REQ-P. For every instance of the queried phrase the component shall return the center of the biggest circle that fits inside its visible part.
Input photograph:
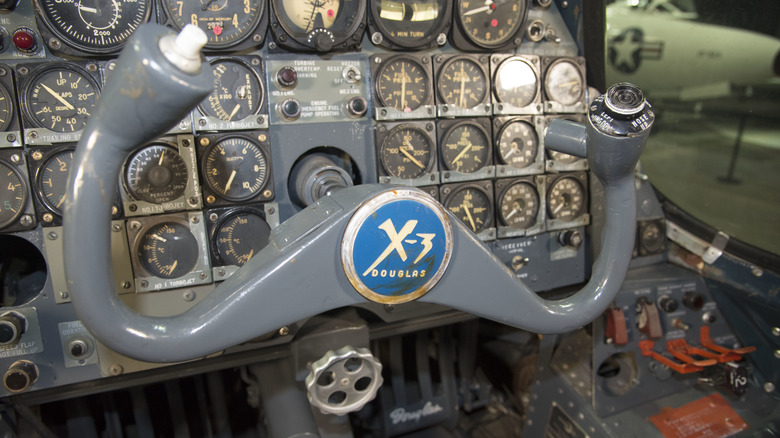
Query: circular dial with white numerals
(61, 99)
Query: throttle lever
(369, 242)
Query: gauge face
(226, 22)
(402, 83)
(518, 144)
(240, 236)
(490, 23)
(406, 152)
(168, 250)
(237, 93)
(566, 199)
(466, 148)
(95, 26)
(563, 83)
(411, 24)
(236, 169)
(156, 174)
(61, 99)
(6, 108)
(519, 205)
(471, 206)
(320, 23)
(53, 180)
(13, 196)
(516, 82)
(462, 83)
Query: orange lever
(683, 368)
(726, 354)
(681, 350)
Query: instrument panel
(309, 97)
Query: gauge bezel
(446, 109)
(218, 217)
(459, 37)
(254, 36)
(445, 128)
(5, 92)
(502, 188)
(497, 64)
(485, 187)
(59, 42)
(500, 124)
(376, 24)
(28, 76)
(287, 37)
(554, 106)
(583, 218)
(47, 158)
(424, 63)
(259, 139)
(12, 224)
(383, 133)
(254, 64)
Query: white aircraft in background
(660, 47)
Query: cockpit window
(711, 69)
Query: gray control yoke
(299, 273)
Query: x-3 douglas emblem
(397, 246)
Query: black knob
(624, 100)
(291, 109)
(287, 77)
(11, 328)
(667, 304)
(571, 238)
(20, 376)
(693, 301)
(323, 42)
(357, 106)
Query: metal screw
(115, 369)
(188, 295)
(221, 273)
(126, 284)
(26, 220)
(193, 201)
(116, 227)
(565, 4)
(52, 235)
(389, 308)
(757, 271)
(11, 138)
(144, 284)
(203, 276)
(284, 331)
(92, 67)
(16, 158)
(185, 142)
(377, 60)
(441, 39)
(267, 193)
(213, 217)
(48, 217)
(195, 219)
(255, 61)
(210, 199)
(135, 225)
(64, 295)
(257, 38)
(769, 387)
(777, 354)
(272, 45)
(33, 135)
(55, 43)
(262, 137)
(376, 38)
(23, 70)
(260, 120)
(204, 142)
(776, 331)
(132, 207)
(271, 210)
(3, 71)
(202, 122)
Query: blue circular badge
(397, 246)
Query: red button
(23, 40)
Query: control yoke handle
(300, 272)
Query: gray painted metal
(148, 95)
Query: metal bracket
(709, 252)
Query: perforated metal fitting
(344, 380)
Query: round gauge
(466, 148)
(319, 24)
(652, 238)
(516, 82)
(471, 205)
(235, 168)
(93, 26)
(561, 157)
(61, 99)
(13, 196)
(411, 24)
(6, 108)
(226, 23)
(566, 199)
(156, 174)
(168, 250)
(53, 179)
(239, 236)
(462, 83)
(402, 83)
(237, 93)
(564, 83)
(406, 152)
(519, 205)
(491, 24)
(518, 144)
